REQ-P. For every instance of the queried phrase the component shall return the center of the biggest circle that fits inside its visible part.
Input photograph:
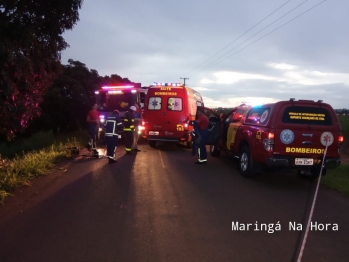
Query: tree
(30, 51)
(68, 100)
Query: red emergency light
(116, 87)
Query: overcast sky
(252, 51)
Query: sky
(232, 52)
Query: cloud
(233, 77)
(164, 41)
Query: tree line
(37, 92)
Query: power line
(265, 35)
(240, 36)
(213, 62)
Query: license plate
(153, 133)
(304, 161)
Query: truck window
(111, 100)
(174, 104)
(258, 116)
(154, 103)
(307, 115)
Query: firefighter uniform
(203, 133)
(129, 128)
(195, 137)
(113, 126)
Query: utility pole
(184, 78)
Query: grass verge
(338, 179)
(19, 170)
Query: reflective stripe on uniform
(201, 160)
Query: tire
(245, 163)
(215, 152)
(152, 143)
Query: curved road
(157, 205)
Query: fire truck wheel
(215, 152)
(152, 143)
(245, 163)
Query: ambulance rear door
(167, 113)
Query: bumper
(183, 137)
(288, 162)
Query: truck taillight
(340, 139)
(268, 142)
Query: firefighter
(129, 128)
(138, 117)
(196, 137)
(113, 126)
(203, 132)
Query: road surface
(157, 205)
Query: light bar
(115, 92)
(117, 87)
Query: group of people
(114, 125)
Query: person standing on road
(138, 119)
(129, 128)
(93, 125)
(113, 126)
(195, 137)
(203, 132)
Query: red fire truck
(120, 97)
(167, 111)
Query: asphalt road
(157, 205)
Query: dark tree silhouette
(30, 48)
(68, 100)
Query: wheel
(215, 152)
(245, 163)
(152, 143)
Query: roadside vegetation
(338, 179)
(34, 157)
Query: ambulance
(168, 108)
